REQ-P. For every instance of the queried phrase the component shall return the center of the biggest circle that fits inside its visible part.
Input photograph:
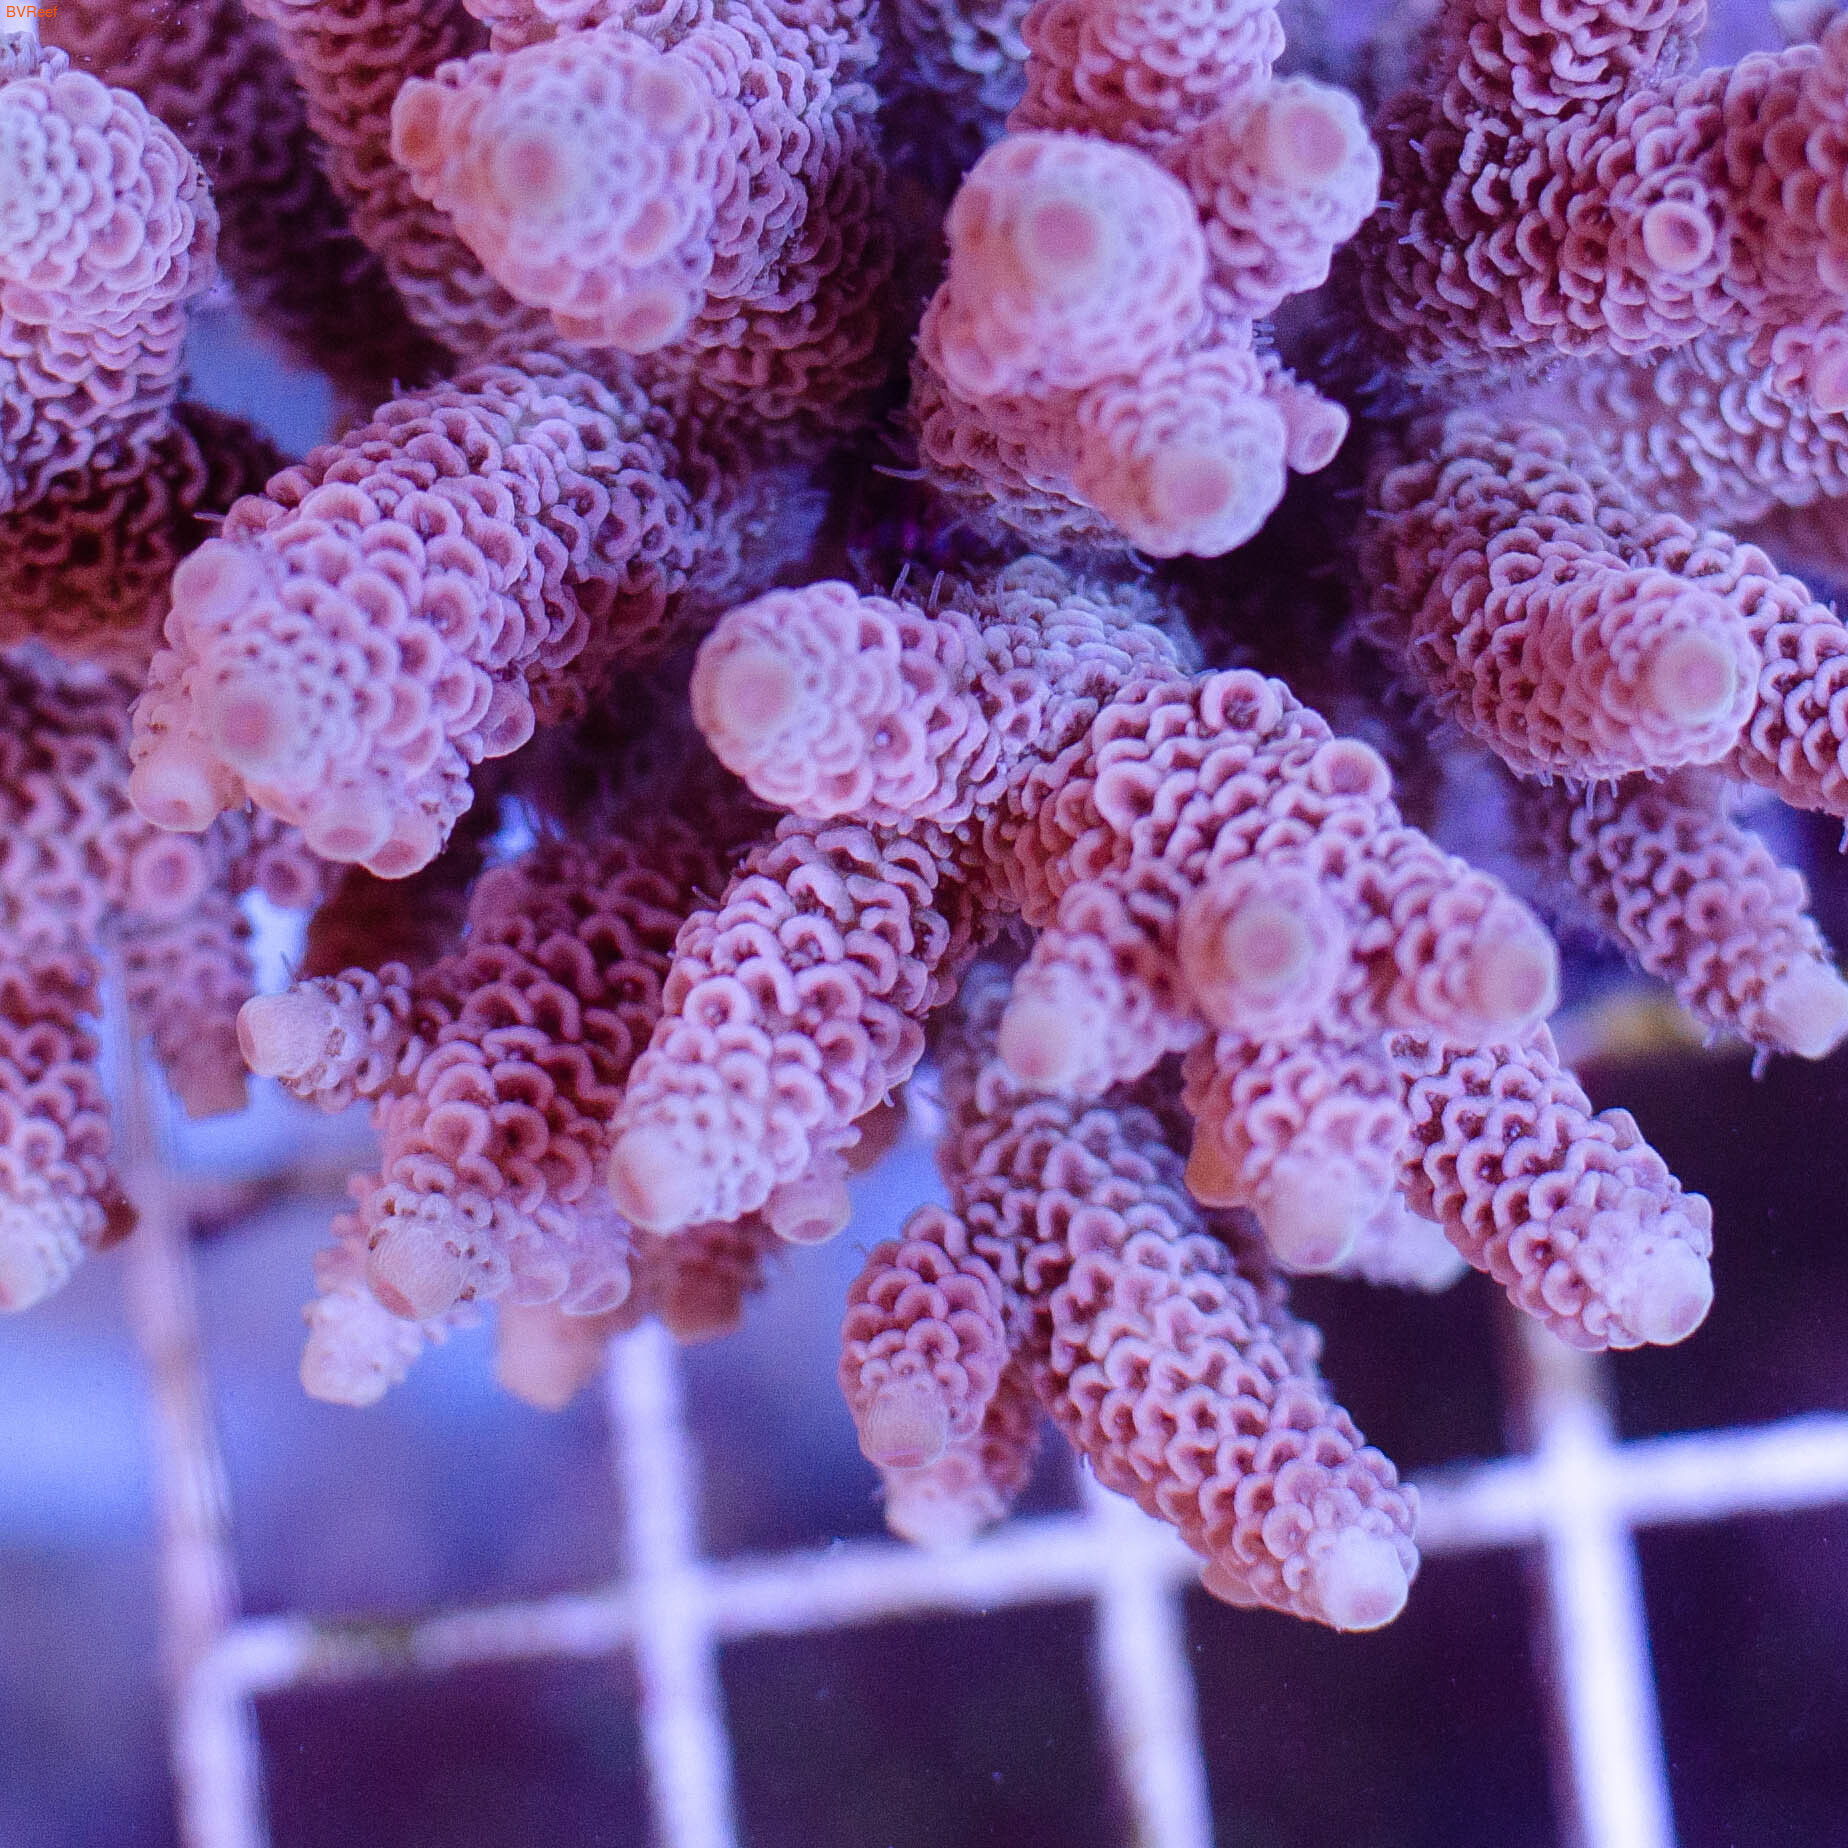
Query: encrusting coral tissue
(736, 653)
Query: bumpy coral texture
(582, 491)
(618, 302)
(82, 874)
(1723, 428)
(106, 231)
(493, 1073)
(791, 1010)
(1571, 1211)
(411, 599)
(1163, 1351)
(1089, 372)
(216, 76)
(350, 58)
(1207, 868)
(1553, 615)
(573, 169)
(948, 74)
(1540, 567)
(1561, 184)
(705, 180)
(1142, 74)
(1666, 869)
(87, 566)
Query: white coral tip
(1305, 138)
(336, 1377)
(36, 1256)
(1693, 677)
(176, 786)
(414, 1272)
(745, 694)
(907, 1425)
(1513, 975)
(809, 1211)
(255, 723)
(1042, 1043)
(1359, 1581)
(922, 1511)
(1807, 1011)
(1664, 1295)
(286, 1036)
(654, 1184)
(1313, 1211)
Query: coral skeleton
(999, 543)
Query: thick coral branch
(412, 599)
(1089, 370)
(791, 1009)
(106, 232)
(1570, 1210)
(700, 186)
(1562, 185)
(1197, 855)
(216, 76)
(1571, 628)
(350, 58)
(87, 566)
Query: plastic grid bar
(1576, 1493)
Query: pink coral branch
(1134, 816)
(1571, 1211)
(1552, 614)
(1564, 186)
(106, 232)
(217, 77)
(1089, 368)
(81, 872)
(1163, 1353)
(350, 58)
(1664, 869)
(413, 598)
(791, 1010)
(657, 182)
(86, 567)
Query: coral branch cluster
(1091, 368)
(1632, 277)
(1154, 1334)
(735, 648)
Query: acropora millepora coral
(880, 533)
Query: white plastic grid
(1576, 1493)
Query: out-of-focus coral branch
(107, 230)
(81, 873)
(216, 76)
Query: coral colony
(879, 536)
